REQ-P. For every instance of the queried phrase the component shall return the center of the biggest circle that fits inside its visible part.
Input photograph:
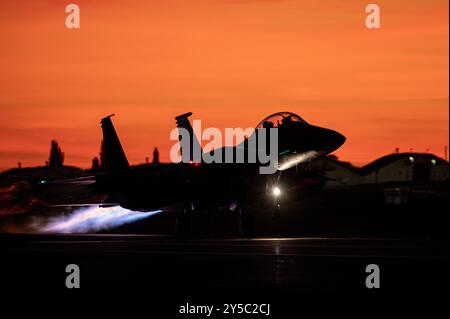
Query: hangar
(416, 168)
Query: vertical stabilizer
(113, 155)
(191, 151)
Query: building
(417, 168)
(339, 173)
(399, 178)
(397, 168)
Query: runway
(165, 267)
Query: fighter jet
(189, 185)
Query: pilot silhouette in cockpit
(267, 124)
(287, 121)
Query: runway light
(276, 191)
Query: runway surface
(166, 267)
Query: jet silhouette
(186, 186)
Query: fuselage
(151, 187)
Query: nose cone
(336, 140)
(310, 138)
(327, 140)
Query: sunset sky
(231, 63)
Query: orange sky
(229, 62)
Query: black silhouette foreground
(185, 188)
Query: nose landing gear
(276, 211)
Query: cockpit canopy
(280, 119)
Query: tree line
(57, 156)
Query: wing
(85, 180)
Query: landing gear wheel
(183, 221)
(245, 223)
(276, 209)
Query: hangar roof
(388, 159)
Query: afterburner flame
(94, 218)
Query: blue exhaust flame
(94, 218)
